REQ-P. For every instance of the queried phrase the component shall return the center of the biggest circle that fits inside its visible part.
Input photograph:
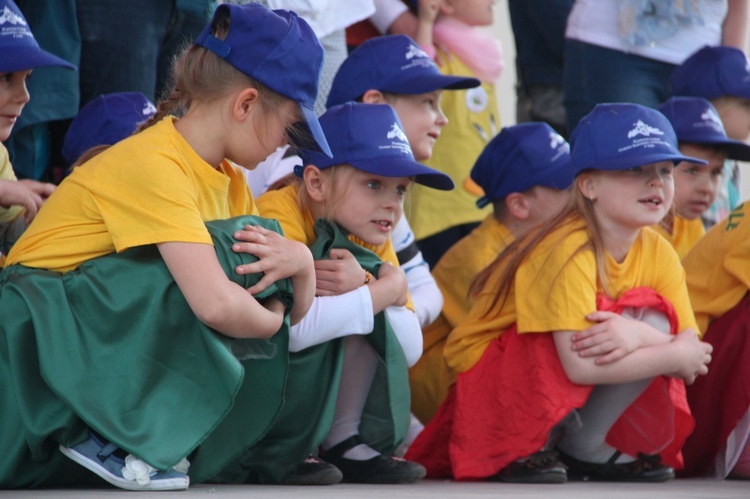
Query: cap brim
(405, 167)
(429, 82)
(311, 119)
(735, 149)
(641, 159)
(23, 58)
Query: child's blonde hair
(199, 75)
(510, 259)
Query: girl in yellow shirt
(608, 289)
(249, 76)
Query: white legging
(585, 430)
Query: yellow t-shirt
(555, 288)
(685, 233)
(6, 173)
(149, 188)
(457, 269)
(718, 267)
(473, 119)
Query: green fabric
(312, 386)
(114, 346)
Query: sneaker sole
(164, 484)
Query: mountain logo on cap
(11, 17)
(710, 118)
(397, 132)
(643, 129)
(555, 140)
(414, 51)
(148, 109)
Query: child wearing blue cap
(104, 121)
(700, 135)
(360, 190)
(19, 201)
(439, 219)
(525, 173)
(131, 269)
(725, 82)
(718, 280)
(605, 388)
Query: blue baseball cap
(619, 136)
(370, 138)
(276, 48)
(106, 120)
(392, 64)
(521, 157)
(19, 49)
(695, 120)
(711, 72)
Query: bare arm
(734, 31)
(685, 357)
(216, 301)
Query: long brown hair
(510, 259)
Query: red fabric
(359, 33)
(506, 405)
(720, 399)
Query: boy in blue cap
(700, 135)
(720, 74)
(395, 70)
(525, 173)
(19, 201)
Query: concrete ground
(428, 489)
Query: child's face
(266, 133)
(696, 186)
(422, 119)
(473, 12)
(546, 202)
(735, 116)
(13, 97)
(630, 199)
(368, 206)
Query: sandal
(647, 468)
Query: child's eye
(6, 77)
(401, 189)
(635, 169)
(373, 184)
(717, 172)
(667, 170)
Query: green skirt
(312, 387)
(114, 346)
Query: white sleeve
(387, 11)
(332, 317)
(406, 327)
(425, 293)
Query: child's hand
(428, 10)
(612, 338)
(695, 355)
(339, 274)
(27, 193)
(278, 257)
(396, 282)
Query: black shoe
(313, 471)
(542, 467)
(644, 469)
(379, 469)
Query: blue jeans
(595, 74)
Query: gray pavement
(432, 489)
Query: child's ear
(315, 183)
(518, 205)
(244, 102)
(585, 183)
(373, 96)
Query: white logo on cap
(149, 109)
(11, 17)
(710, 118)
(643, 129)
(558, 143)
(414, 51)
(397, 132)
